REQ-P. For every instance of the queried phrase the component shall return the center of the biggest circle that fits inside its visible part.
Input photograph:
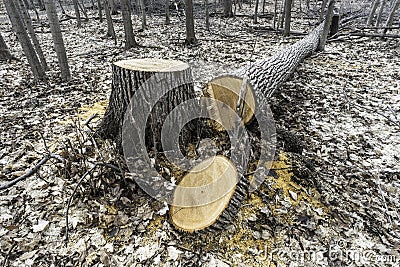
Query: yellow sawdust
(85, 112)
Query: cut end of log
(227, 89)
(212, 182)
(152, 65)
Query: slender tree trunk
(275, 13)
(167, 15)
(389, 20)
(110, 25)
(288, 17)
(100, 10)
(143, 10)
(113, 7)
(379, 17)
(77, 13)
(372, 12)
(256, 12)
(23, 38)
(4, 52)
(190, 35)
(228, 8)
(327, 25)
(322, 13)
(207, 16)
(31, 31)
(128, 28)
(57, 39)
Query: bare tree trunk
(130, 76)
(100, 12)
(266, 75)
(207, 16)
(143, 10)
(84, 11)
(57, 39)
(389, 20)
(322, 13)
(190, 35)
(275, 13)
(327, 25)
(4, 52)
(113, 7)
(77, 13)
(110, 25)
(379, 17)
(128, 28)
(36, 44)
(256, 12)
(167, 15)
(23, 38)
(228, 8)
(372, 12)
(288, 17)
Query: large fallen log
(264, 77)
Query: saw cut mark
(212, 183)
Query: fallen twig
(31, 171)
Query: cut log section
(205, 204)
(129, 76)
(226, 90)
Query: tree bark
(131, 75)
(288, 17)
(143, 10)
(110, 25)
(31, 30)
(57, 39)
(372, 12)
(379, 17)
(327, 25)
(4, 52)
(207, 15)
(128, 28)
(99, 7)
(167, 15)
(267, 75)
(389, 20)
(77, 13)
(23, 38)
(256, 12)
(190, 35)
(228, 8)
(322, 13)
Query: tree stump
(152, 77)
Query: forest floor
(334, 203)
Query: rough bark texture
(23, 37)
(389, 20)
(267, 75)
(125, 83)
(4, 52)
(380, 13)
(57, 39)
(190, 35)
